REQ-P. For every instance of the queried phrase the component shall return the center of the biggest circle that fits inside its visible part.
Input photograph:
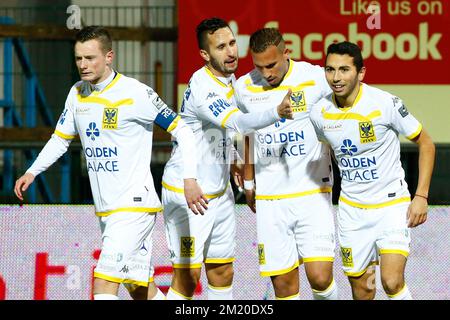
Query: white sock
(174, 295)
(159, 295)
(105, 296)
(330, 293)
(217, 293)
(403, 294)
(293, 297)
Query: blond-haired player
(114, 117)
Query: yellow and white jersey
(364, 138)
(289, 160)
(207, 105)
(115, 126)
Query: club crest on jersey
(366, 132)
(261, 254)
(110, 118)
(298, 101)
(347, 257)
(187, 247)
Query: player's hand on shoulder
(195, 198)
(285, 107)
(22, 184)
(417, 212)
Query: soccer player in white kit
(114, 117)
(294, 213)
(209, 108)
(362, 123)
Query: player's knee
(320, 279)
(105, 286)
(285, 284)
(186, 279)
(138, 292)
(227, 273)
(220, 275)
(361, 290)
(392, 285)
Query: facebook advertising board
(393, 34)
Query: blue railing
(35, 105)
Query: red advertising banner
(403, 41)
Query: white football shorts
(194, 239)
(364, 234)
(294, 230)
(126, 249)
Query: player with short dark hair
(361, 123)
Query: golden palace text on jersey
(289, 160)
(207, 105)
(115, 126)
(365, 141)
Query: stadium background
(409, 55)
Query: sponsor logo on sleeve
(403, 111)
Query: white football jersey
(289, 159)
(207, 105)
(365, 142)
(115, 126)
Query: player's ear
(109, 57)
(362, 74)
(204, 54)
(286, 53)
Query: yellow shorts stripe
(130, 209)
(293, 195)
(374, 206)
(179, 190)
(314, 259)
(360, 273)
(394, 251)
(278, 272)
(219, 261)
(119, 280)
(187, 266)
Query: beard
(222, 68)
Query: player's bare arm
(417, 211)
(249, 176)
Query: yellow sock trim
(179, 294)
(398, 293)
(289, 297)
(328, 288)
